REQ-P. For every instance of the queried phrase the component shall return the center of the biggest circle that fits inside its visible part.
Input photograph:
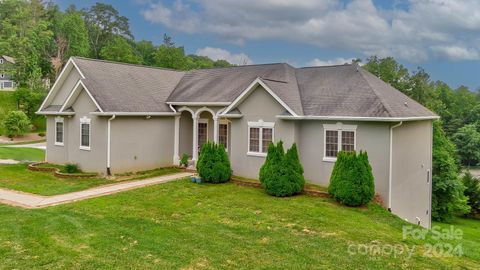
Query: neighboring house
(7, 67)
(111, 118)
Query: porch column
(176, 144)
(195, 139)
(215, 129)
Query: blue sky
(442, 36)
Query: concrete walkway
(42, 146)
(29, 200)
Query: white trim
(176, 141)
(1, 61)
(390, 175)
(70, 95)
(56, 113)
(205, 109)
(69, 62)
(338, 127)
(249, 89)
(85, 120)
(260, 125)
(60, 120)
(198, 103)
(188, 110)
(357, 118)
(134, 113)
(231, 115)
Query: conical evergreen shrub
(352, 182)
(282, 174)
(213, 164)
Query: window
(223, 134)
(260, 135)
(2, 75)
(7, 84)
(85, 133)
(59, 131)
(338, 137)
(1, 61)
(202, 132)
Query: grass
(18, 177)
(180, 225)
(22, 143)
(30, 154)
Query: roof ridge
(240, 66)
(126, 64)
(337, 65)
(384, 104)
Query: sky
(441, 36)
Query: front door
(202, 133)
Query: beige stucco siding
(370, 136)
(412, 163)
(66, 87)
(93, 160)
(259, 105)
(139, 144)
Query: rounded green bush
(213, 164)
(351, 182)
(16, 123)
(282, 174)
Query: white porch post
(215, 129)
(176, 146)
(195, 139)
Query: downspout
(390, 176)
(172, 108)
(109, 143)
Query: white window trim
(204, 121)
(1, 61)
(2, 75)
(60, 120)
(85, 120)
(224, 122)
(260, 125)
(339, 127)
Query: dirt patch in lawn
(30, 137)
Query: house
(7, 67)
(112, 117)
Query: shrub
(213, 164)
(71, 168)
(184, 160)
(351, 182)
(16, 123)
(472, 191)
(282, 174)
(41, 134)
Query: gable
(253, 87)
(63, 86)
(81, 102)
(260, 103)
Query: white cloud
(336, 61)
(221, 54)
(422, 30)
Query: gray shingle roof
(119, 87)
(343, 90)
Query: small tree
(447, 189)
(16, 123)
(472, 191)
(351, 182)
(282, 174)
(213, 164)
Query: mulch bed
(57, 173)
(311, 192)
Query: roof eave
(358, 118)
(135, 113)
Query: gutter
(109, 133)
(357, 118)
(55, 113)
(390, 176)
(134, 113)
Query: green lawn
(18, 177)
(30, 154)
(181, 225)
